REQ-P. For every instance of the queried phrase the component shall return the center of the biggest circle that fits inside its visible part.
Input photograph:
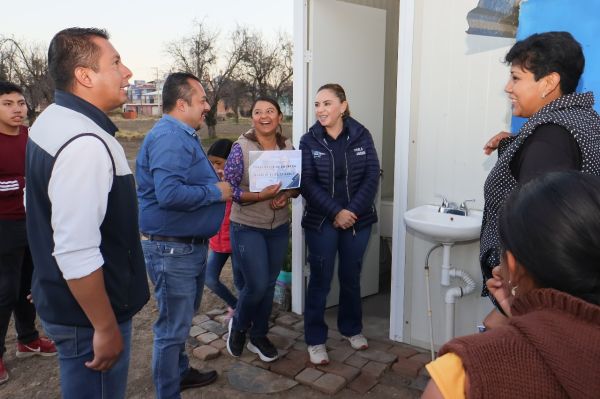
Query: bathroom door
(347, 46)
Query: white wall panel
(458, 103)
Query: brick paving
(385, 368)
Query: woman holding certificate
(259, 232)
(340, 175)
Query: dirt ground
(137, 128)
(38, 378)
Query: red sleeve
(12, 174)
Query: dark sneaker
(40, 347)
(235, 341)
(196, 379)
(263, 348)
(3, 372)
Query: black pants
(16, 269)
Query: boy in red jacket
(220, 245)
(16, 266)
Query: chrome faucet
(453, 208)
(444, 203)
(463, 206)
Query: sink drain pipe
(453, 294)
(429, 313)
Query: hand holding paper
(280, 200)
(269, 192)
(274, 167)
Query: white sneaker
(318, 354)
(358, 342)
(229, 314)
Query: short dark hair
(72, 48)
(552, 227)
(177, 86)
(220, 148)
(9, 87)
(340, 93)
(544, 53)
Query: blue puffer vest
(362, 176)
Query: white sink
(443, 227)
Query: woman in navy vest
(340, 175)
(562, 132)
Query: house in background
(144, 98)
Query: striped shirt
(12, 175)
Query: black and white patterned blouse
(574, 112)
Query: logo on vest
(359, 151)
(317, 154)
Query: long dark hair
(552, 227)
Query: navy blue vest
(124, 269)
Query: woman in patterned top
(259, 232)
(562, 131)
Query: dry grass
(136, 129)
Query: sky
(140, 29)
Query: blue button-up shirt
(176, 184)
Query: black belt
(184, 240)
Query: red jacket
(12, 175)
(220, 242)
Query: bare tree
(259, 63)
(27, 66)
(234, 91)
(268, 66)
(281, 79)
(197, 54)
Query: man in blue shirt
(182, 204)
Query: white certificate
(272, 167)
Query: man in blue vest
(89, 278)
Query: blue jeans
(322, 249)
(258, 255)
(216, 261)
(177, 272)
(74, 346)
